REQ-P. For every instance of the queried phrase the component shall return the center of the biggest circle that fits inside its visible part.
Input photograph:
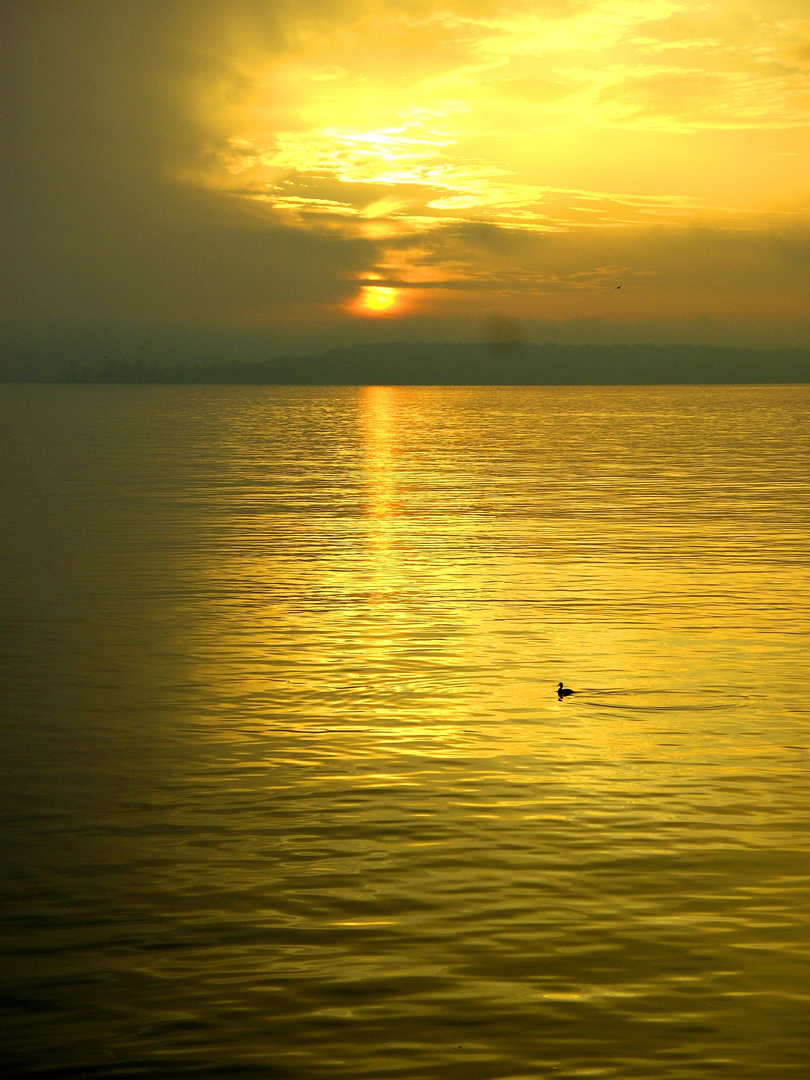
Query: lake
(289, 792)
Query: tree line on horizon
(470, 364)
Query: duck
(563, 691)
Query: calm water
(289, 792)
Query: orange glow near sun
(377, 300)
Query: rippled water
(288, 789)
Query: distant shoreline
(459, 364)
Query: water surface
(288, 788)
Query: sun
(377, 300)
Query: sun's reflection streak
(415, 628)
(378, 409)
(399, 641)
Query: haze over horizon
(321, 173)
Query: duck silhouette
(563, 691)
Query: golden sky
(413, 165)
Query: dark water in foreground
(289, 792)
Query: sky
(323, 172)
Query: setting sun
(377, 300)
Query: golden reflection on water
(293, 731)
(414, 617)
(378, 416)
(476, 549)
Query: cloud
(260, 160)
